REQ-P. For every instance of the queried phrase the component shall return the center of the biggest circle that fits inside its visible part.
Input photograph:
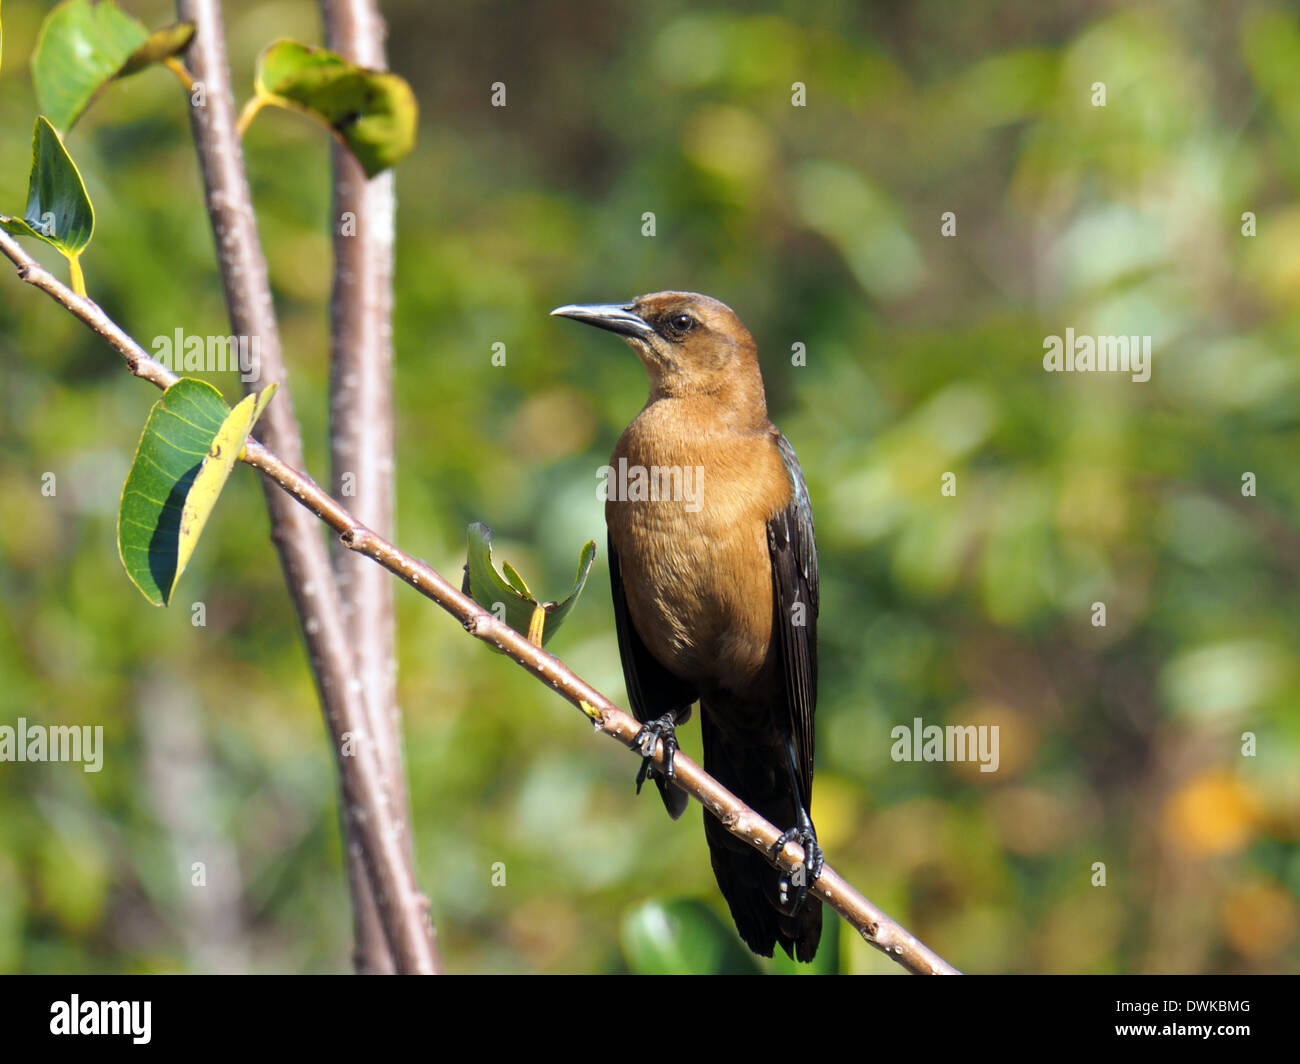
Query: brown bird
(713, 567)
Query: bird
(713, 571)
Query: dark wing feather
(794, 580)
(651, 688)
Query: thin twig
(372, 815)
(873, 924)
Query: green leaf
(58, 209)
(682, 937)
(557, 611)
(189, 446)
(515, 580)
(372, 111)
(486, 586)
(80, 47)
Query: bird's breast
(689, 522)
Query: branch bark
(375, 822)
(874, 925)
(361, 422)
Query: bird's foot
(664, 728)
(803, 876)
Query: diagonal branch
(373, 810)
(874, 925)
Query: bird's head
(691, 345)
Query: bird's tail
(675, 801)
(747, 881)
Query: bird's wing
(651, 688)
(794, 581)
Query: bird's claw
(806, 873)
(664, 728)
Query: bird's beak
(615, 317)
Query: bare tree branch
(874, 925)
(372, 814)
(361, 418)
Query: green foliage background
(819, 225)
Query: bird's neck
(729, 402)
(688, 429)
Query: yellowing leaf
(213, 474)
(188, 447)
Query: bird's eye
(680, 324)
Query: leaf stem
(78, 278)
(537, 625)
(178, 68)
(249, 112)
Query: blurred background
(820, 225)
